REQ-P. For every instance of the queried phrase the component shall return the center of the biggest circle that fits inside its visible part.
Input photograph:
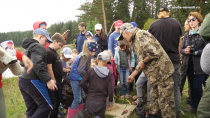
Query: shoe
(136, 102)
(190, 109)
(127, 96)
(71, 112)
(61, 115)
(122, 97)
(187, 102)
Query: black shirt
(54, 59)
(168, 31)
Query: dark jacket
(100, 84)
(200, 44)
(38, 55)
(102, 45)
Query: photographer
(192, 47)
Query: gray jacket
(200, 44)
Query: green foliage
(147, 24)
(91, 25)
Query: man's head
(163, 12)
(103, 58)
(118, 23)
(58, 41)
(126, 31)
(42, 36)
(195, 19)
(82, 27)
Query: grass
(16, 108)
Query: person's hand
(131, 69)
(27, 63)
(181, 63)
(51, 85)
(130, 79)
(187, 50)
(109, 106)
(141, 65)
(65, 34)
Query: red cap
(118, 23)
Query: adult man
(169, 33)
(112, 41)
(157, 67)
(80, 37)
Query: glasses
(193, 19)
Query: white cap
(104, 56)
(98, 27)
(67, 52)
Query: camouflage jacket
(160, 67)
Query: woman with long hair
(101, 38)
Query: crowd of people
(83, 79)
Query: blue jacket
(113, 42)
(80, 41)
(74, 75)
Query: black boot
(153, 116)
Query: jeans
(78, 93)
(124, 73)
(139, 85)
(177, 82)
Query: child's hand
(51, 85)
(110, 106)
(131, 69)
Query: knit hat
(93, 47)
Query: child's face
(42, 40)
(10, 45)
(44, 27)
(89, 37)
(74, 56)
(57, 45)
(123, 48)
(66, 59)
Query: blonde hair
(74, 51)
(86, 51)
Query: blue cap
(134, 24)
(43, 32)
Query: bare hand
(110, 106)
(27, 63)
(65, 34)
(51, 85)
(130, 79)
(131, 69)
(187, 50)
(141, 65)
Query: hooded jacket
(100, 84)
(36, 24)
(38, 55)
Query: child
(100, 86)
(89, 35)
(55, 67)
(78, 70)
(66, 55)
(34, 86)
(125, 61)
(112, 68)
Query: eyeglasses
(193, 19)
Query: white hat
(98, 27)
(67, 52)
(104, 56)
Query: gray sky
(19, 15)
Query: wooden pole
(200, 6)
(102, 1)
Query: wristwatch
(144, 62)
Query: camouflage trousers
(162, 99)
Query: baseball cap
(93, 47)
(9, 42)
(104, 56)
(118, 23)
(125, 27)
(134, 24)
(98, 26)
(43, 32)
(163, 8)
(67, 52)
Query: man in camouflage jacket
(156, 65)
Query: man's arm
(50, 71)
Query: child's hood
(28, 42)
(36, 24)
(102, 72)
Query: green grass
(16, 107)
